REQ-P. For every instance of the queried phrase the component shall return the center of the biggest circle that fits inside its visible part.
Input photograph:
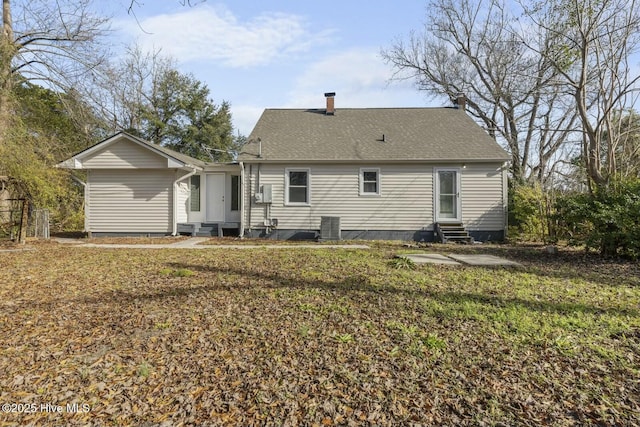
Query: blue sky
(279, 54)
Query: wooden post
(24, 220)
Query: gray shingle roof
(356, 134)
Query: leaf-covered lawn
(316, 337)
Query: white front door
(447, 197)
(215, 197)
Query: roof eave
(342, 161)
(75, 162)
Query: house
(373, 173)
(354, 173)
(135, 187)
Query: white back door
(215, 197)
(447, 183)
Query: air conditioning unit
(330, 228)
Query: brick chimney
(331, 109)
(461, 102)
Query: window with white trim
(297, 187)
(370, 182)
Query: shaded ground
(134, 240)
(272, 242)
(318, 337)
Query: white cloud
(245, 117)
(207, 33)
(360, 79)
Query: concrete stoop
(457, 259)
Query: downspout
(242, 203)
(250, 195)
(86, 206)
(175, 199)
(258, 182)
(505, 201)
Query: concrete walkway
(457, 259)
(194, 243)
(430, 259)
(482, 259)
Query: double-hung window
(297, 187)
(369, 182)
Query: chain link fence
(38, 224)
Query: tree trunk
(7, 52)
(24, 222)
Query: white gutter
(175, 199)
(86, 204)
(242, 200)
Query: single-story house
(388, 173)
(135, 187)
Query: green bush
(608, 221)
(527, 213)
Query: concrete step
(207, 230)
(459, 239)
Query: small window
(297, 186)
(369, 182)
(235, 193)
(195, 193)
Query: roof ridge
(362, 108)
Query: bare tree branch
(593, 40)
(476, 47)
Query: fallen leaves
(311, 337)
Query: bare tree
(146, 95)
(593, 41)
(122, 88)
(52, 42)
(625, 134)
(475, 47)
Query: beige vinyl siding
(125, 154)
(405, 201)
(183, 201)
(482, 197)
(130, 200)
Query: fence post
(24, 219)
(45, 221)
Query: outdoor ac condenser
(330, 228)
